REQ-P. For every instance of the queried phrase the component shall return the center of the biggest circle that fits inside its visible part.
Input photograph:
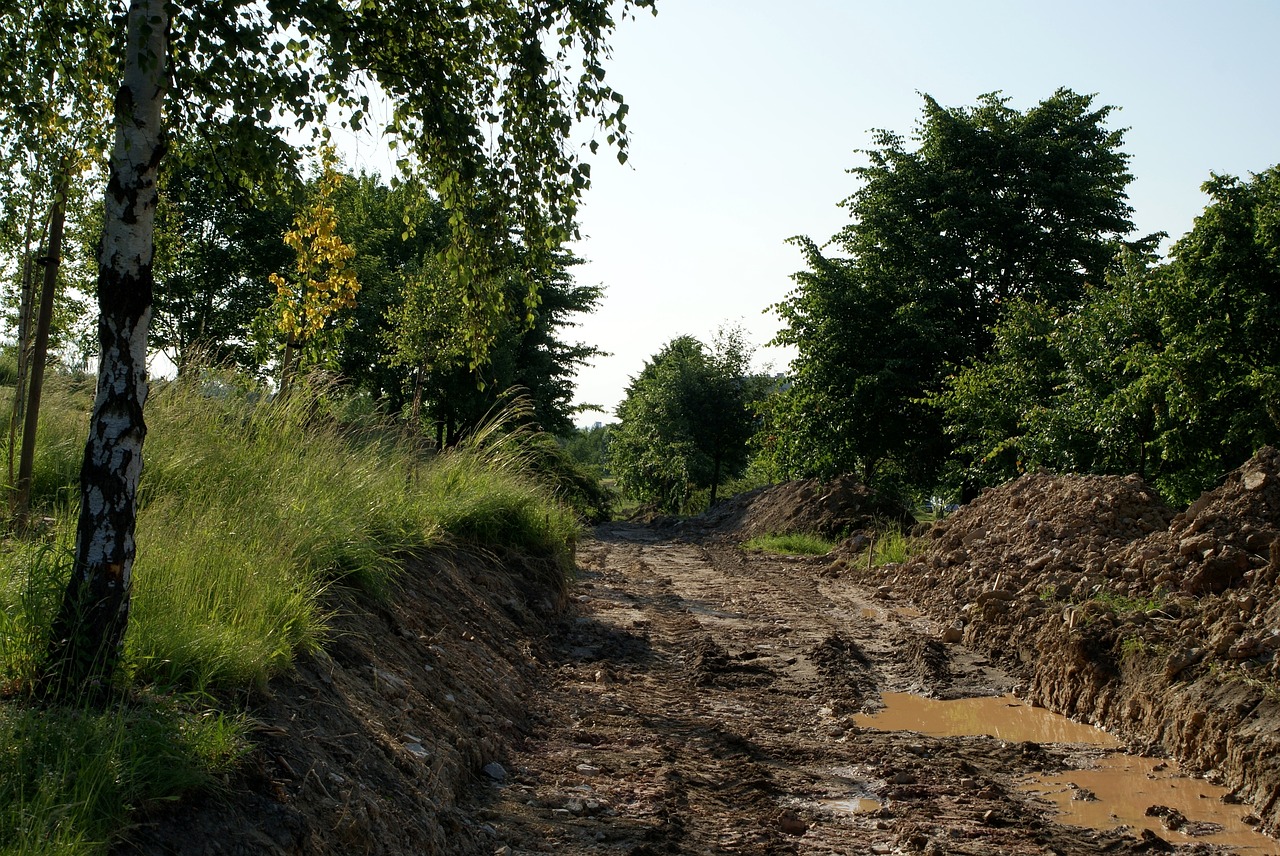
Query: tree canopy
(989, 206)
(1170, 370)
(685, 422)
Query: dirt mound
(830, 509)
(1159, 625)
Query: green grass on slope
(249, 509)
(791, 544)
(69, 777)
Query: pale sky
(745, 115)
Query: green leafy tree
(399, 232)
(424, 337)
(1168, 370)
(991, 205)
(589, 447)
(685, 422)
(1219, 310)
(217, 244)
(53, 60)
(989, 405)
(485, 94)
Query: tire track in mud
(700, 700)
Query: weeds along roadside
(249, 509)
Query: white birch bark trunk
(85, 645)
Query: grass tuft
(69, 776)
(792, 543)
(892, 546)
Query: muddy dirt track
(700, 699)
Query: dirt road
(702, 701)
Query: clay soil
(692, 697)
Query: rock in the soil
(953, 634)
(1152, 843)
(995, 596)
(1179, 661)
(495, 771)
(392, 686)
(1170, 818)
(791, 824)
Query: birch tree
(485, 96)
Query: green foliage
(482, 95)
(217, 243)
(793, 543)
(1168, 370)
(423, 335)
(684, 422)
(589, 448)
(398, 232)
(890, 545)
(992, 205)
(1134, 646)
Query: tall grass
(890, 545)
(69, 777)
(249, 509)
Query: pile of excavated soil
(831, 509)
(1161, 626)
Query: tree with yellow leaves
(322, 283)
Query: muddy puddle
(1118, 791)
(1005, 717)
(1147, 793)
(850, 805)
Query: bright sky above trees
(745, 115)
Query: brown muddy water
(1117, 791)
(1124, 787)
(1005, 717)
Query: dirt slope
(1159, 625)
(832, 509)
(367, 746)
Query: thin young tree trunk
(288, 367)
(40, 348)
(715, 483)
(85, 644)
(415, 411)
(24, 337)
